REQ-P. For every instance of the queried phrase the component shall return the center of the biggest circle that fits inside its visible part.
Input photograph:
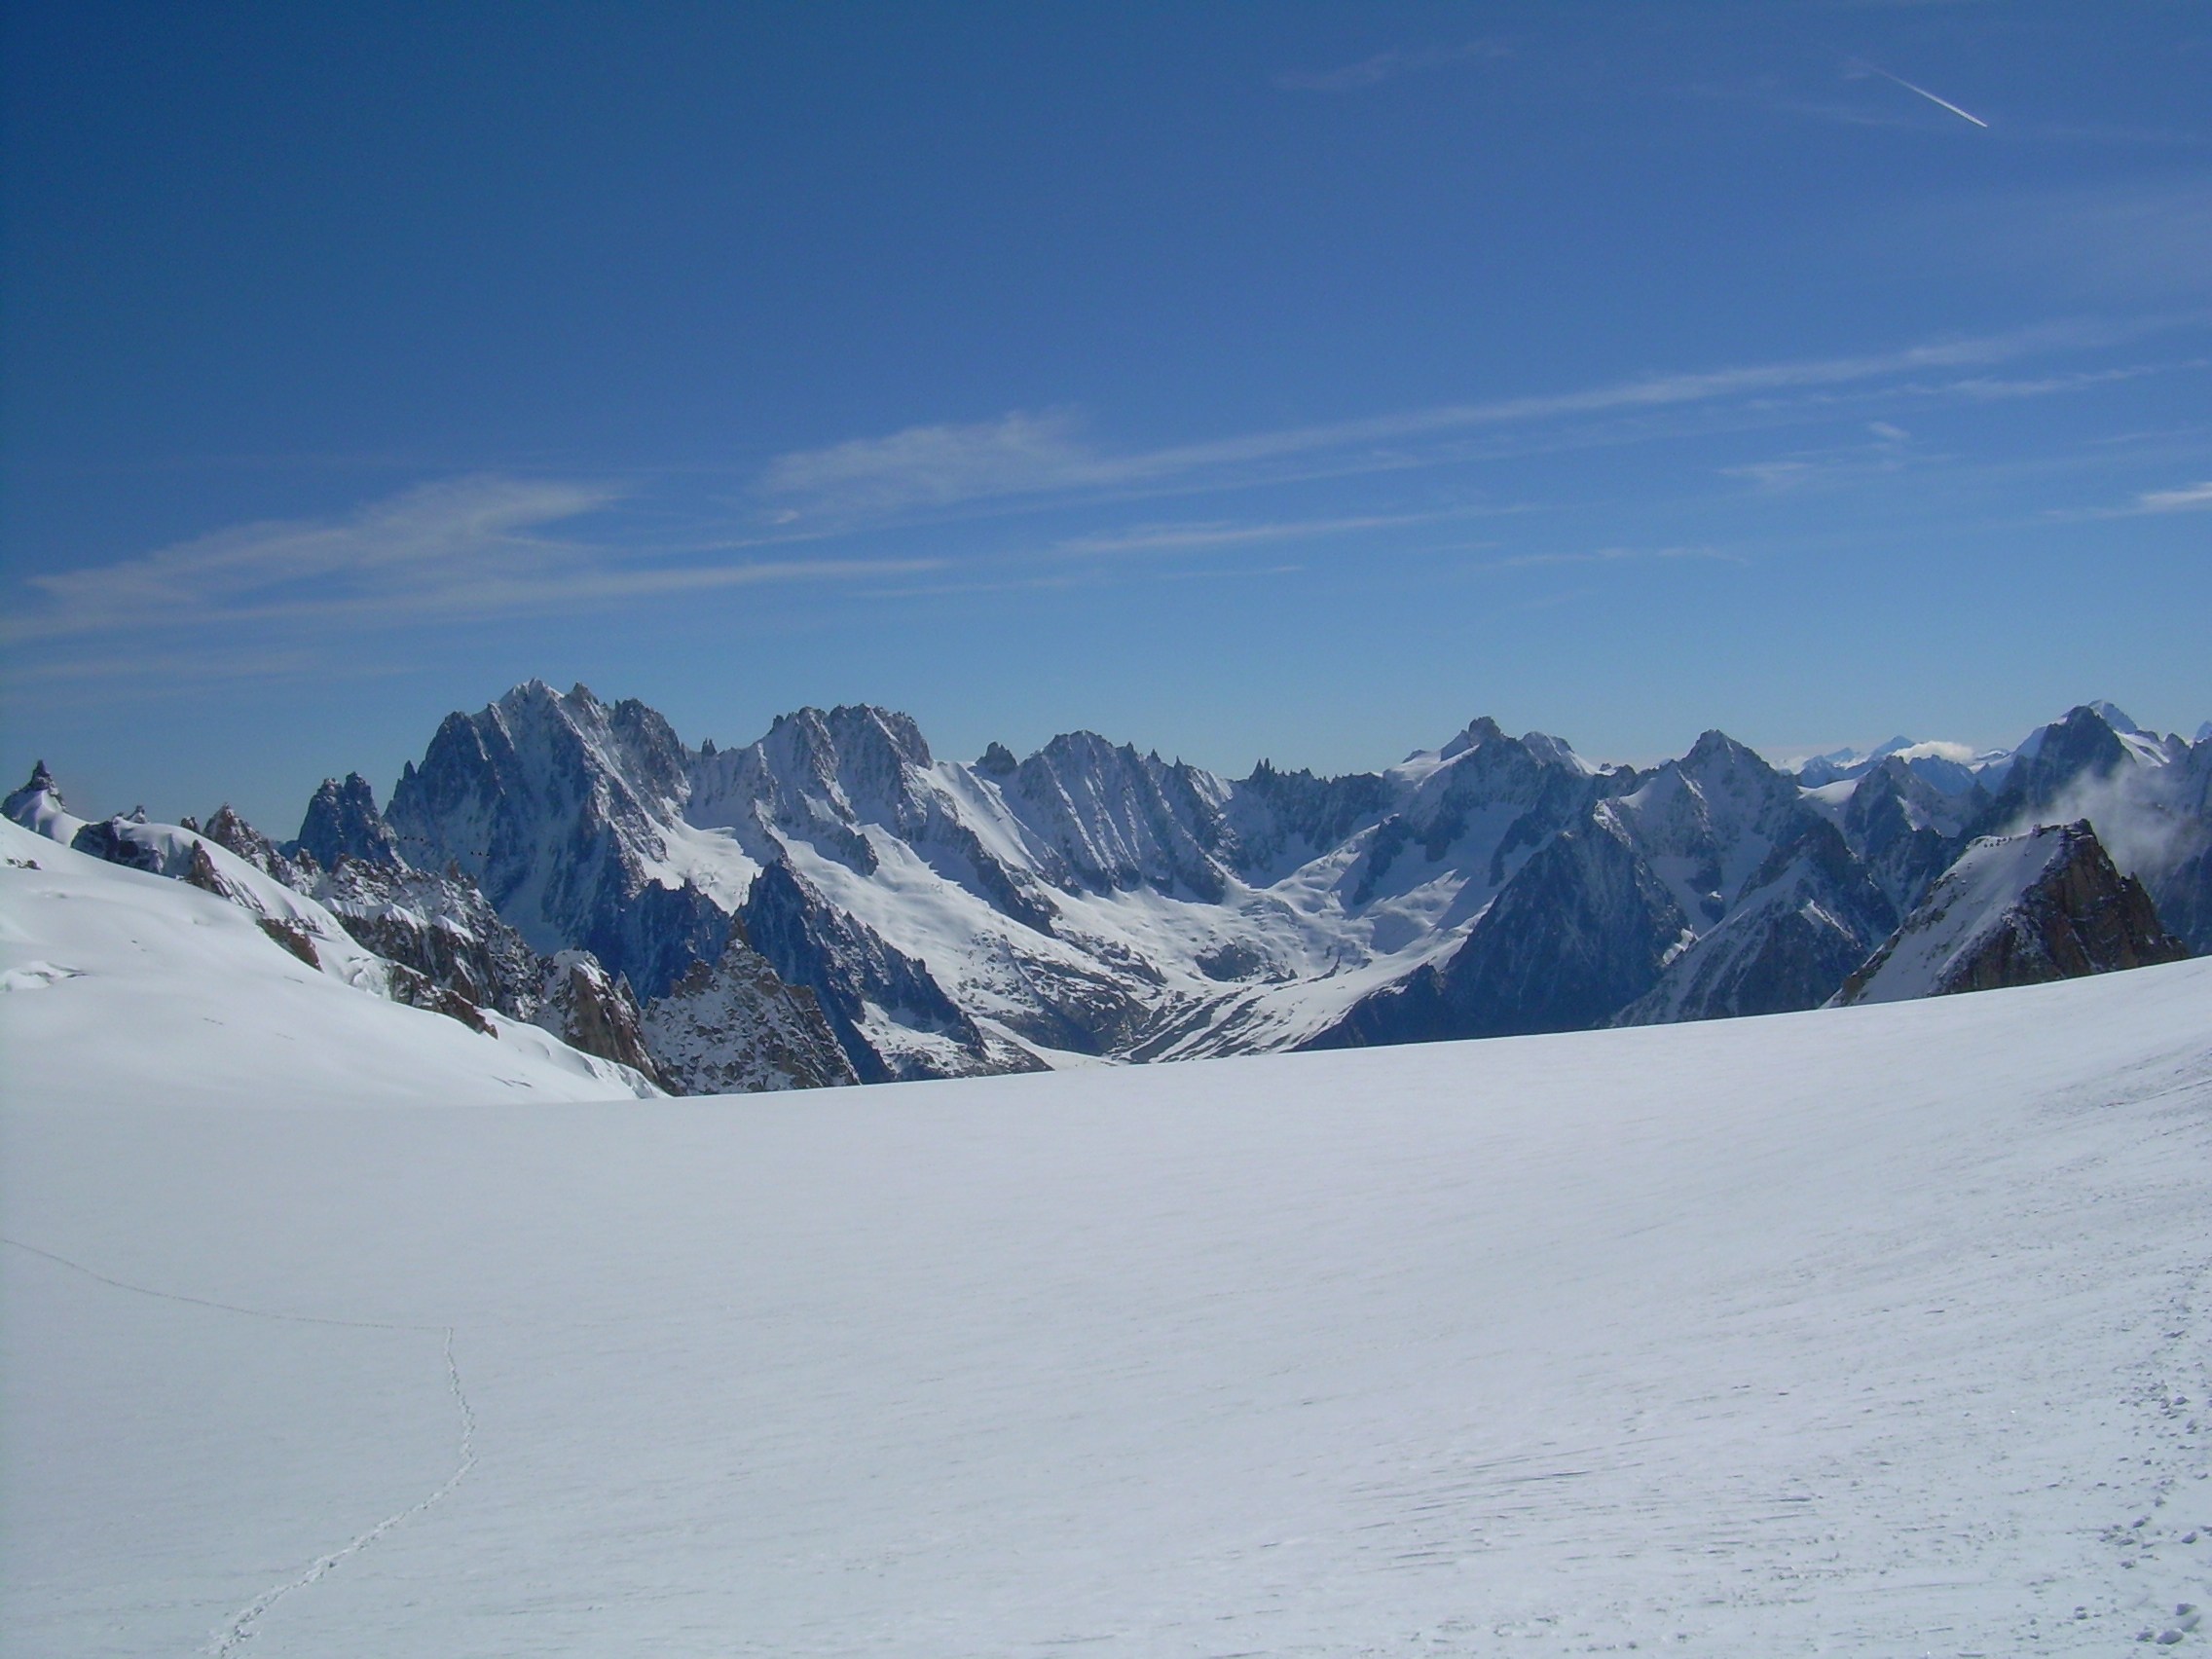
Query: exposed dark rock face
(439, 926)
(2187, 895)
(201, 873)
(1906, 830)
(733, 1027)
(110, 840)
(555, 806)
(343, 822)
(417, 991)
(2019, 911)
(2158, 815)
(1108, 819)
(1584, 928)
(893, 1021)
(595, 1011)
(234, 835)
(1097, 899)
(2180, 874)
(1704, 890)
(1291, 816)
(2081, 748)
(292, 937)
(1808, 916)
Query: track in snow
(237, 1630)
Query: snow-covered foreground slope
(116, 983)
(1878, 1331)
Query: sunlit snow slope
(1879, 1331)
(116, 984)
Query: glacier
(1878, 1330)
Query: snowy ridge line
(225, 1307)
(239, 1629)
(233, 1636)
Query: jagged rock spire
(343, 822)
(41, 784)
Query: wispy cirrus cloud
(1191, 538)
(2149, 503)
(1033, 455)
(2191, 497)
(935, 465)
(462, 548)
(1385, 65)
(1611, 556)
(1814, 469)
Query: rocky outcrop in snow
(592, 1010)
(733, 1027)
(440, 928)
(2018, 911)
(292, 921)
(37, 807)
(2149, 797)
(892, 1019)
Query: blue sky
(1287, 381)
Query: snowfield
(1879, 1331)
(117, 982)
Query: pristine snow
(116, 984)
(1880, 1331)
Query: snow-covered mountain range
(833, 902)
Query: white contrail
(1926, 93)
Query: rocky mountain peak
(857, 744)
(1115, 818)
(1096, 898)
(2018, 911)
(343, 822)
(2055, 759)
(559, 808)
(37, 806)
(1715, 752)
(735, 1028)
(234, 835)
(1480, 730)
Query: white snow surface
(1967, 905)
(116, 984)
(1879, 1331)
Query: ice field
(1874, 1331)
